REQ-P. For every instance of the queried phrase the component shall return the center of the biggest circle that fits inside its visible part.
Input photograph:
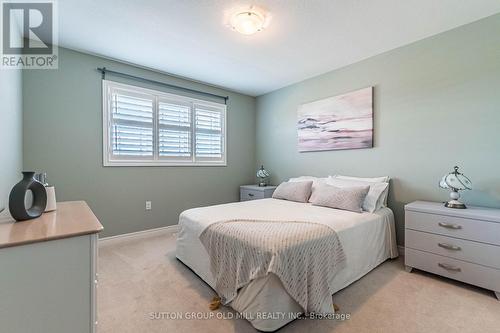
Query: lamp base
(455, 204)
(262, 184)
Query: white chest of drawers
(461, 244)
(48, 271)
(254, 192)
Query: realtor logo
(28, 36)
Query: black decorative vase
(18, 194)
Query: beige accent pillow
(372, 201)
(347, 198)
(294, 191)
(315, 180)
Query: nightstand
(253, 192)
(461, 244)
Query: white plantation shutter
(148, 127)
(174, 128)
(131, 125)
(209, 136)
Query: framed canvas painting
(339, 122)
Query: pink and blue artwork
(339, 122)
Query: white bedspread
(368, 240)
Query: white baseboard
(163, 231)
(139, 234)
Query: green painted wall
(10, 132)
(437, 104)
(63, 136)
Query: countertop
(72, 218)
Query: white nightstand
(253, 192)
(461, 244)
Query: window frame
(109, 160)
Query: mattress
(368, 240)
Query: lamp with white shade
(455, 181)
(263, 175)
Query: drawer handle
(449, 246)
(250, 194)
(449, 225)
(450, 268)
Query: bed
(368, 240)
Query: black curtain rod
(104, 70)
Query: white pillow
(372, 200)
(316, 181)
(365, 179)
(372, 180)
(304, 178)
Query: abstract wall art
(339, 122)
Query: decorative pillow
(316, 181)
(347, 198)
(383, 198)
(371, 202)
(294, 191)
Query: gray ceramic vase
(18, 194)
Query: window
(144, 127)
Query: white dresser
(253, 192)
(461, 244)
(49, 271)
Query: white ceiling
(305, 37)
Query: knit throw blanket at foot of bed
(305, 256)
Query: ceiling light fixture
(248, 22)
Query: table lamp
(455, 181)
(262, 174)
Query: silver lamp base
(455, 204)
(263, 184)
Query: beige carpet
(142, 277)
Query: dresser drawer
(478, 253)
(476, 230)
(478, 275)
(246, 194)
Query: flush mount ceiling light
(248, 22)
